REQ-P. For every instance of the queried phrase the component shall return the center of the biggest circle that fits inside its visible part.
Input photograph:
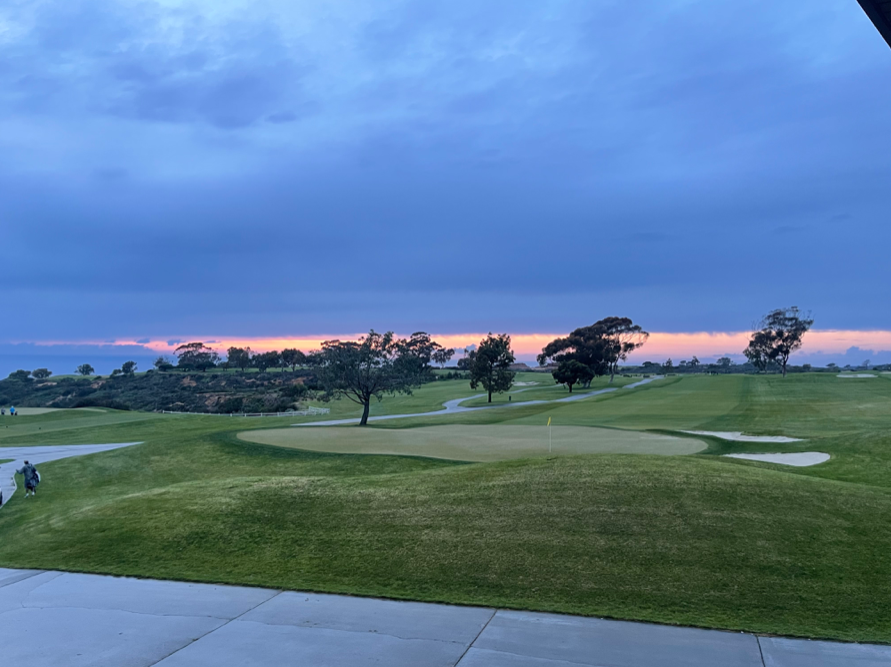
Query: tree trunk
(490, 396)
(570, 389)
(365, 408)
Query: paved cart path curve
(454, 406)
(80, 620)
(43, 454)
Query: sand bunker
(855, 375)
(737, 436)
(799, 459)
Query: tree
(85, 370)
(196, 357)
(758, 351)
(238, 357)
(293, 358)
(694, 362)
(779, 334)
(570, 372)
(361, 370)
(725, 362)
(668, 364)
(20, 376)
(266, 360)
(162, 364)
(489, 364)
(600, 346)
(416, 353)
(128, 368)
(41, 373)
(443, 355)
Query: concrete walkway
(454, 406)
(42, 454)
(52, 618)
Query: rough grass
(696, 540)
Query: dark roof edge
(878, 17)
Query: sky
(264, 170)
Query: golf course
(614, 510)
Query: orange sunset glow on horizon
(660, 345)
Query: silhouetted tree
(238, 357)
(266, 360)
(778, 335)
(162, 364)
(489, 364)
(128, 367)
(293, 358)
(41, 373)
(85, 369)
(570, 372)
(196, 356)
(371, 367)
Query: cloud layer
(279, 168)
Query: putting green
(473, 443)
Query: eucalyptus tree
(372, 367)
(778, 334)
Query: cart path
(43, 454)
(55, 618)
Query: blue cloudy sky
(223, 167)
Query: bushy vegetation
(216, 392)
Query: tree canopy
(238, 357)
(600, 347)
(489, 364)
(777, 336)
(196, 357)
(41, 373)
(266, 360)
(571, 372)
(128, 367)
(375, 365)
(85, 369)
(293, 358)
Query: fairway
(474, 443)
(701, 540)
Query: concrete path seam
(21, 577)
(219, 627)
(355, 632)
(126, 611)
(760, 651)
(482, 630)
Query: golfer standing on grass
(32, 479)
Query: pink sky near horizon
(659, 346)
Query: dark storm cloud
(189, 167)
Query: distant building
(879, 12)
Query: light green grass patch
(474, 443)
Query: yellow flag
(549, 421)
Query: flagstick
(550, 440)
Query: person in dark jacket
(32, 479)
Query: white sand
(737, 436)
(855, 375)
(799, 460)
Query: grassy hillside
(697, 540)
